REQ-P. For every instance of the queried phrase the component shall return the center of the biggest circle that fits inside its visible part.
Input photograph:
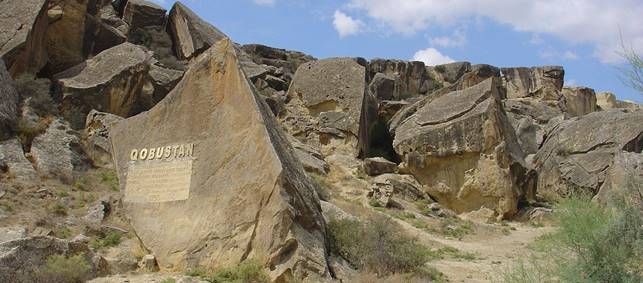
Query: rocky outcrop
(403, 186)
(623, 181)
(23, 28)
(577, 153)
(70, 37)
(579, 101)
(242, 193)
(56, 152)
(543, 83)
(21, 258)
(378, 166)
(463, 149)
(13, 161)
(529, 118)
(191, 34)
(330, 96)
(110, 82)
(382, 86)
(285, 62)
(139, 14)
(411, 78)
(607, 100)
(95, 138)
(163, 80)
(310, 157)
(8, 103)
(452, 72)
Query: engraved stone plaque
(158, 181)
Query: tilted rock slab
(13, 159)
(23, 27)
(579, 100)
(577, 153)
(234, 190)
(110, 82)
(191, 34)
(95, 138)
(462, 148)
(624, 181)
(544, 83)
(529, 117)
(56, 152)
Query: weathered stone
(107, 38)
(576, 154)
(110, 82)
(544, 83)
(236, 146)
(409, 76)
(17, 165)
(140, 14)
(332, 95)
(382, 86)
(388, 108)
(332, 212)
(529, 118)
(482, 215)
(23, 28)
(191, 34)
(19, 259)
(109, 16)
(452, 72)
(148, 263)
(310, 158)
(462, 148)
(12, 233)
(623, 181)
(8, 103)
(55, 153)
(97, 213)
(161, 81)
(381, 195)
(70, 39)
(404, 186)
(579, 101)
(378, 166)
(286, 60)
(119, 6)
(607, 100)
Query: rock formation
(579, 101)
(191, 34)
(240, 170)
(22, 40)
(9, 98)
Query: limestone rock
(544, 83)
(285, 60)
(579, 101)
(452, 72)
(607, 100)
(8, 103)
(12, 233)
(234, 145)
(378, 165)
(23, 27)
(529, 118)
(462, 148)
(56, 152)
(331, 94)
(382, 86)
(381, 195)
(20, 258)
(410, 77)
(70, 39)
(333, 212)
(161, 81)
(17, 165)
(310, 158)
(140, 14)
(576, 153)
(388, 108)
(110, 82)
(191, 34)
(148, 263)
(623, 181)
(109, 16)
(107, 38)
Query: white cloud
(345, 25)
(596, 22)
(431, 57)
(265, 2)
(571, 83)
(456, 40)
(552, 54)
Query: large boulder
(579, 100)
(70, 37)
(576, 153)
(191, 34)
(463, 149)
(330, 95)
(21, 259)
(529, 118)
(95, 138)
(23, 28)
(285, 61)
(140, 14)
(623, 181)
(110, 82)
(452, 72)
(411, 78)
(14, 162)
(56, 152)
(382, 86)
(607, 100)
(8, 103)
(211, 159)
(543, 83)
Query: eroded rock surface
(463, 149)
(579, 101)
(56, 152)
(191, 34)
(95, 138)
(13, 159)
(247, 195)
(23, 26)
(8, 103)
(544, 83)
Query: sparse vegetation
(632, 74)
(169, 280)
(322, 186)
(592, 244)
(61, 269)
(110, 179)
(249, 271)
(59, 209)
(377, 245)
(375, 203)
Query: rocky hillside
(147, 146)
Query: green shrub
(592, 244)
(375, 203)
(322, 186)
(376, 245)
(61, 269)
(59, 209)
(249, 271)
(110, 179)
(111, 239)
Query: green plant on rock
(111, 239)
(110, 179)
(61, 269)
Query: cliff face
(222, 152)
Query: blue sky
(581, 35)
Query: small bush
(322, 186)
(110, 179)
(111, 239)
(61, 269)
(375, 203)
(59, 209)
(249, 271)
(376, 245)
